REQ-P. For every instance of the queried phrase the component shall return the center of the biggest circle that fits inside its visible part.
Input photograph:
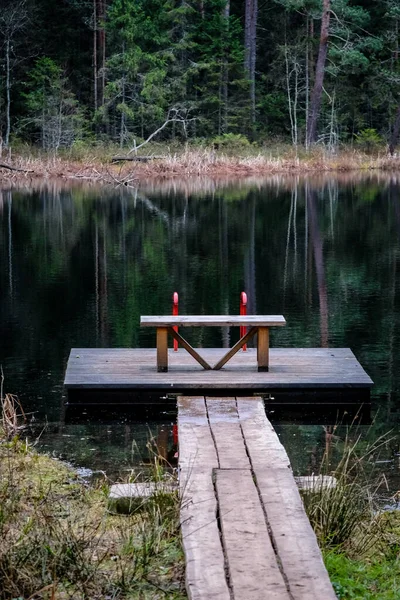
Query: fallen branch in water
(136, 158)
(11, 168)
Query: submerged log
(136, 158)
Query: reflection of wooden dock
(245, 533)
(334, 372)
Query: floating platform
(306, 375)
(245, 532)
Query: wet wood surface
(289, 368)
(242, 517)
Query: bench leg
(162, 349)
(263, 349)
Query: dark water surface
(79, 265)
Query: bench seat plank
(213, 321)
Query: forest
(304, 72)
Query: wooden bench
(259, 324)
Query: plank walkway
(290, 369)
(245, 533)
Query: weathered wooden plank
(262, 442)
(196, 445)
(293, 536)
(294, 353)
(212, 320)
(205, 561)
(299, 368)
(227, 434)
(335, 352)
(253, 569)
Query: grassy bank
(59, 541)
(360, 541)
(377, 578)
(95, 163)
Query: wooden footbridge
(245, 532)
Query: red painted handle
(175, 312)
(243, 311)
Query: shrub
(369, 140)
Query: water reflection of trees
(80, 265)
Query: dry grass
(95, 164)
(13, 416)
(346, 517)
(58, 540)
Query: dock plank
(294, 538)
(253, 569)
(289, 369)
(205, 561)
(227, 434)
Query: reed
(346, 516)
(94, 163)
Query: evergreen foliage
(122, 66)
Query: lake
(80, 263)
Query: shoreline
(190, 164)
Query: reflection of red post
(243, 311)
(175, 299)
(175, 434)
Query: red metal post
(175, 312)
(243, 311)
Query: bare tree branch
(177, 118)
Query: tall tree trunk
(8, 94)
(395, 133)
(10, 246)
(102, 47)
(225, 70)
(123, 118)
(396, 127)
(95, 55)
(253, 59)
(250, 52)
(308, 65)
(316, 95)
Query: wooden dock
(311, 372)
(245, 533)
